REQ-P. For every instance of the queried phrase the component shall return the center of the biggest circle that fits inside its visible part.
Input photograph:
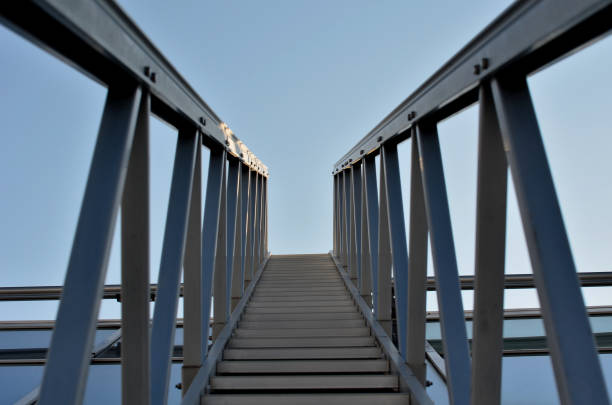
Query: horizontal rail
(104, 43)
(113, 291)
(528, 35)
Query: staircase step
(304, 382)
(302, 317)
(301, 309)
(297, 332)
(302, 366)
(344, 341)
(287, 304)
(349, 323)
(307, 399)
(298, 298)
(301, 289)
(303, 353)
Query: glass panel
(534, 375)
(38, 338)
(17, 381)
(104, 385)
(523, 327)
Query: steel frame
(100, 40)
(491, 70)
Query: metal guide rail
(219, 254)
(370, 236)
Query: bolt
(226, 143)
(361, 152)
(379, 139)
(428, 383)
(202, 121)
(241, 154)
(153, 77)
(179, 386)
(485, 63)
(147, 71)
(476, 69)
(411, 115)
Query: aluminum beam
(65, 375)
(173, 250)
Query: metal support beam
(245, 182)
(353, 266)
(384, 296)
(248, 270)
(65, 374)
(220, 268)
(575, 362)
(192, 295)
(210, 228)
(135, 282)
(236, 251)
(417, 270)
(487, 340)
(454, 336)
(173, 249)
(397, 231)
(356, 211)
(346, 207)
(365, 277)
(371, 206)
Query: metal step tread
(300, 309)
(360, 341)
(302, 316)
(302, 366)
(305, 382)
(285, 304)
(303, 353)
(348, 323)
(301, 332)
(307, 399)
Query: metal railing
(370, 238)
(219, 256)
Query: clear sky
(300, 82)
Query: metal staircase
(302, 340)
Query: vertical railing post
(237, 260)
(265, 250)
(575, 362)
(210, 229)
(384, 296)
(417, 270)
(452, 321)
(233, 197)
(245, 181)
(67, 365)
(248, 271)
(220, 268)
(397, 230)
(341, 219)
(135, 295)
(335, 208)
(356, 219)
(173, 249)
(347, 219)
(488, 320)
(371, 205)
(192, 294)
(365, 278)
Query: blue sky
(300, 82)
